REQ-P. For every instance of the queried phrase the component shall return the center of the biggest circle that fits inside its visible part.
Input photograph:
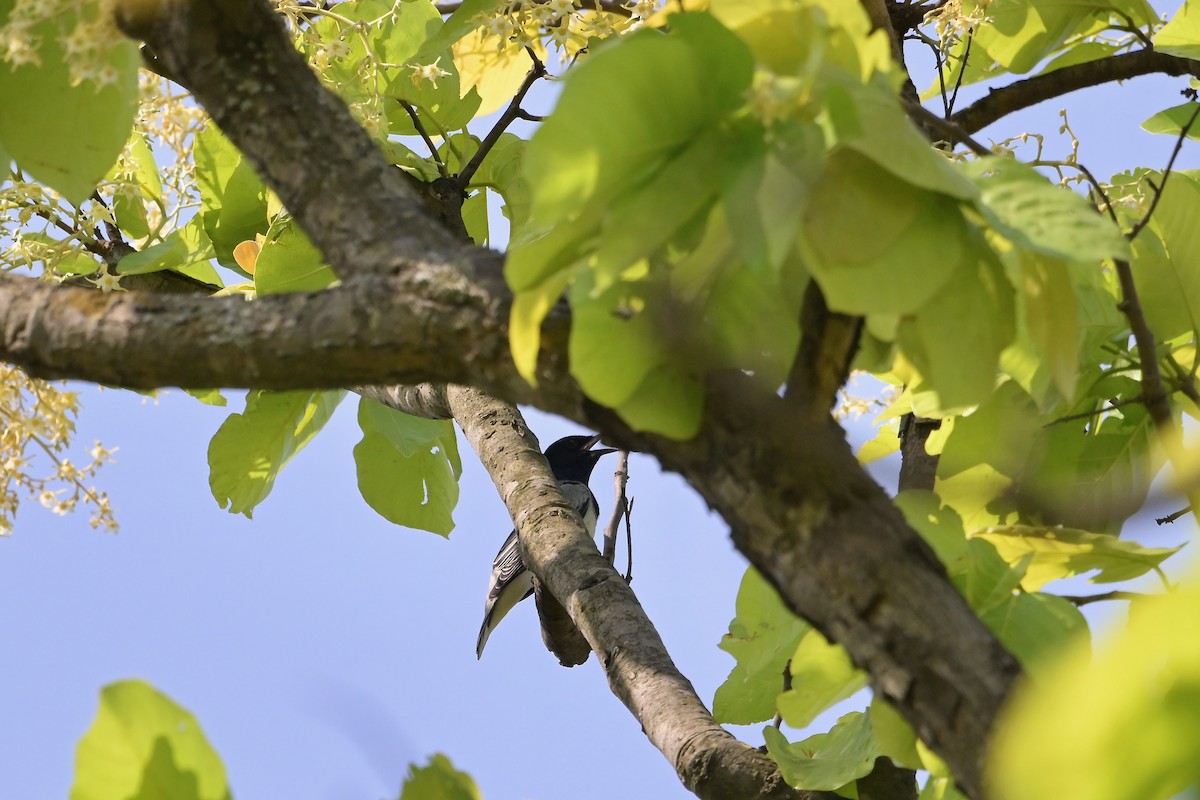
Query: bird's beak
(595, 440)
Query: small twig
(1158, 190)
(787, 687)
(433, 151)
(1131, 28)
(941, 69)
(1112, 406)
(1172, 516)
(513, 112)
(945, 126)
(620, 479)
(629, 541)
(1083, 600)
(962, 70)
(1096, 186)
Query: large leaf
(289, 262)
(956, 338)
(249, 450)
(1034, 214)
(1121, 727)
(143, 746)
(826, 761)
(232, 198)
(438, 780)
(1168, 273)
(1094, 479)
(1062, 552)
(67, 136)
(1046, 298)
(1035, 626)
(185, 247)
(1181, 35)
(762, 637)
(1020, 33)
(916, 242)
(407, 467)
(822, 674)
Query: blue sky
(324, 649)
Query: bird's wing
(510, 584)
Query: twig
(620, 479)
(962, 70)
(1083, 600)
(1158, 190)
(787, 687)
(433, 151)
(629, 541)
(1112, 406)
(1172, 516)
(947, 127)
(1031, 91)
(513, 112)
(1096, 186)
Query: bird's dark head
(572, 457)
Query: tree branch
(1001, 102)
(709, 761)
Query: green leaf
(956, 338)
(128, 206)
(1048, 310)
(996, 433)
(181, 248)
(1181, 35)
(940, 789)
(1170, 281)
(1091, 480)
(1020, 33)
(209, 397)
(407, 467)
(623, 114)
(438, 780)
(250, 449)
(1023, 206)
(1172, 120)
(762, 637)
(985, 579)
(916, 240)
(67, 136)
(462, 21)
(897, 740)
(869, 120)
(938, 525)
(503, 171)
(1119, 727)
(1035, 626)
(233, 200)
(822, 674)
(143, 746)
(1062, 552)
(288, 262)
(826, 761)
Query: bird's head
(572, 457)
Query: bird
(572, 460)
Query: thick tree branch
(1001, 102)
(709, 761)
(828, 341)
